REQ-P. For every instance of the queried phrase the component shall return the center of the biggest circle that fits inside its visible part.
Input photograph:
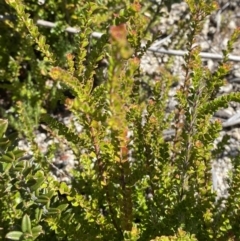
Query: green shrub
(130, 183)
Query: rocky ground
(215, 34)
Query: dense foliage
(130, 182)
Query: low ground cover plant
(129, 183)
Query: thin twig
(204, 55)
(48, 24)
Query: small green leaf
(4, 142)
(42, 199)
(26, 171)
(3, 127)
(14, 235)
(18, 153)
(69, 216)
(26, 224)
(84, 43)
(36, 231)
(53, 211)
(42, 40)
(78, 226)
(6, 167)
(50, 194)
(62, 207)
(19, 166)
(8, 158)
(20, 8)
(13, 137)
(38, 183)
(38, 214)
(64, 189)
(39, 174)
(31, 182)
(34, 31)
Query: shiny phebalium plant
(130, 183)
